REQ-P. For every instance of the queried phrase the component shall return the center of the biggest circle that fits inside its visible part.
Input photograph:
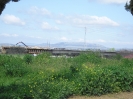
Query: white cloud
(101, 41)
(5, 34)
(81, 40)
(39, 11)
(58, 21)
(47, 26)
(102, 21)
(14, 35)
(121, 42)
(111, 1)
(35, 37)
(64, 39)
(9, 35)
(114, 1)
(96, 41)
(83, 20)
(11, 19)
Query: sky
(104, 22)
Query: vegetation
(46, 77)
(129, 6)
(3, 4)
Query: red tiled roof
(129, 56)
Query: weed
(44, 77)
(28, 58)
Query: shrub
(62, 77)
(127, 62)
(15, 67)
(42, 58)
(28, 58)
(92, 57)
(118, 57)
(4, 59)
(98, 81)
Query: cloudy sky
(40, 21)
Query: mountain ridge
(67, 45)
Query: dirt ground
(124, 95)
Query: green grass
(45, 77)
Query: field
(46, 77)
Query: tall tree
(3, 4)
(129, 6)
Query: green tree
(129, 6)
(3, 4)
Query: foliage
(92, 57)
(129, 6)
(118, 57)
(4, 59)
(42, 58)
(3, 4)
(14, 67)
(28, 58)
(46, 77)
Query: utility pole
(48, 44)
(85, 39)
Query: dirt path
(124, 95)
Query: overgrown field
(46, 77)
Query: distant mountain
(6, 44)
(73, 45)
(79, 45)
(66, 45)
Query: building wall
(14, 50)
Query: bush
(86, 74)
(118, 57)
(127, 62)
(92, 57)
(42, 58)
(98, 81)
(4, 59)
(15, 67)
(28, 58)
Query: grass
(45, 77)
